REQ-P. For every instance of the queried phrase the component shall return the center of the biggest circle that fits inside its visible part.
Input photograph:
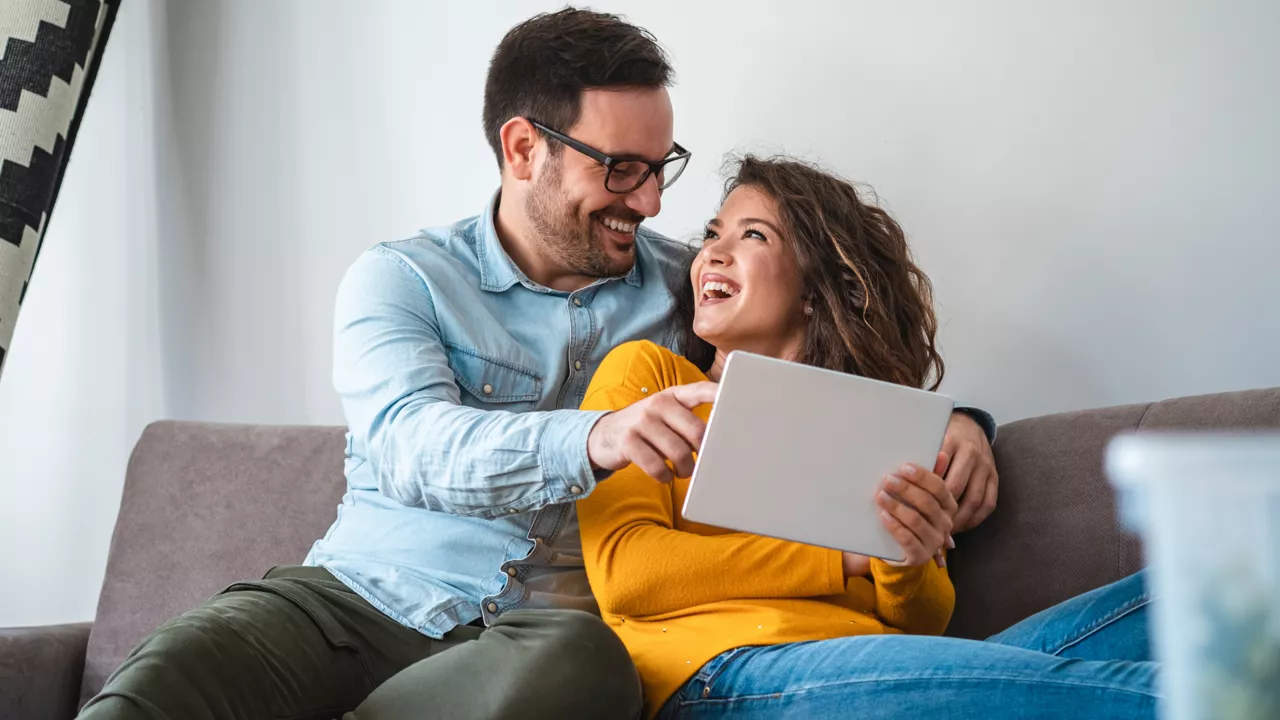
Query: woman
(729, 624)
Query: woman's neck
(787, 350)
(717, 367)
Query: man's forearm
(482, 463)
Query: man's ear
(519, 138)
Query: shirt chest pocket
(491, 383)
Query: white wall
(1088, 183)
(80, 380)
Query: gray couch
(205, 505)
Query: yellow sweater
(680, 593)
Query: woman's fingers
(915, 497)
(940, 557)
(928, 538)
(924, 492)
(931, 483)
(907, 540)
(917, 502)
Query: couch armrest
(40, 671)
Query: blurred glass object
(1208, 509)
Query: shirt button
(576, 490)
(488, 389)
(577, 364)
(577, 301)
(511, 571)
(492, 607)
(512, 511)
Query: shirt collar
(498, 272)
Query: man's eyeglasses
(624, 174)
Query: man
(451, 583)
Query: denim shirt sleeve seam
(394, 257)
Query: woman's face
(747, 288)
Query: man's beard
(575, 241)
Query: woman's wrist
(855, 565)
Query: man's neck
(517, 238)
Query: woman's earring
(808, 309)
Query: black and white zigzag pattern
(31, 66)
(49, 54)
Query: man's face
(584, 226)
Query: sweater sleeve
(636, 560)
(916, 600)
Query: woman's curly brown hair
(872, 305)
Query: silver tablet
(798, 452)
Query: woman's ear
(807, 302)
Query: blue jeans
(1088, 657)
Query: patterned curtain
(49, 55)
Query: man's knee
(162, 675)
(582, 661)
(194, 664)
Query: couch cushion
(1055, 534)
(205, 505)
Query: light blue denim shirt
(458, 377)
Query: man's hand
(971, 475)
(653, 431)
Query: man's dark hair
(543, 64)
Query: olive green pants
(301, 645)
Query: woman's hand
(917, 509)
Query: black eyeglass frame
(610, 162)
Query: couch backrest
(206, 505)
(1054, 533)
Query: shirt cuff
(836, 581)
(898, 579)
(566, 467)
(983, 418)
